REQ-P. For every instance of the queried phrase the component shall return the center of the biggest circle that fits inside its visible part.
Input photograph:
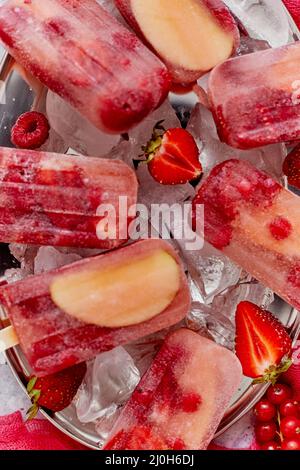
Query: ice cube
(212, 151)
(263, 19)
(49, 258)
(249, 45)
(76, 131)
(108, 384)
(12, 398)
(151, 192)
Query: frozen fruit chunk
(190, 36)
(122, 295)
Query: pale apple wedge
(190, 36)
(121, 295)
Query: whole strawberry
(30, 131)
(56, 391)
(291, 167)
(172, 156)
(262, 344)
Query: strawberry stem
(272, 374)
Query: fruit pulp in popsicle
(52, 199)
(255, 98)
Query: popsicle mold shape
(53, 339)
(82, 53)
(256, 223)
(181, 399)
(53, 199)
(255, 98)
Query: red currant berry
(290, 444)
(278, 393)
(290, 426)
(289, 408)
(265, 431)
(270, 445)
(30, 131)
(264, 411)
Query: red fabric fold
(37, 434)
(294, 8)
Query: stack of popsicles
(61, 318)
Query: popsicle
(190, 36)
(256, 223)
(181, 399)
(52, 199)
(71, 314)
(82, 53)
(255, 98)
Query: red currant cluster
(277, 416)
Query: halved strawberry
(172, 156)
(262, 343)
(291, 167)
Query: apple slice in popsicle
(70, 315)
(190, 36)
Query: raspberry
(280, 228)
(30, 131)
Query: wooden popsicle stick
(8, 338)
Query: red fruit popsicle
(181, 399)
(255, 98)
(190, 36)
(52, 199)
(256, 223)
(86, 56)
(70, 315)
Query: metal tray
(16, 97)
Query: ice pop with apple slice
(181, 399)
(190, 36)
(72, 314)
(61, 200)
(82, 53)
(255, 98)
(256, 223)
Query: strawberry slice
(291, 167)
(262, 343)
(172, 156)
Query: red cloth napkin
(294, 8)
(38, 434)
